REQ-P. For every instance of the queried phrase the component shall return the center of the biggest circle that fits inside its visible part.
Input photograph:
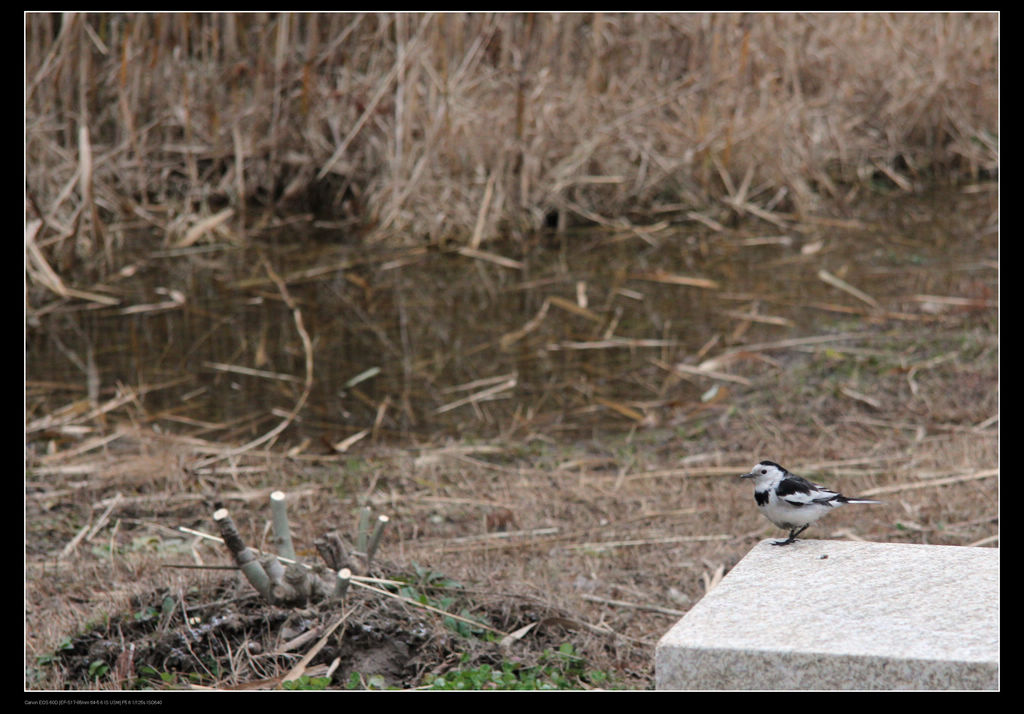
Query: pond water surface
(552, 335)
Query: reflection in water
(575, 331)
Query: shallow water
(425, 342)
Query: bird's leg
(793, 533)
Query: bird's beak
(747, 476)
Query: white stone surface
(842, 615)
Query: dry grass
(467, 127)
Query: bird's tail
(861, 500)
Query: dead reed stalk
(470, 126)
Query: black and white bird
(792, 502)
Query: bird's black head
(761, 469)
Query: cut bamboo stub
(378, 530)
(363, 530)
(341, 583)
(282, 531)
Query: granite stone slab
(822, 614)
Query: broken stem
(244, 557)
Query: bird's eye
(764, 471)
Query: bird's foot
(793, 533)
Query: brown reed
(466, 127)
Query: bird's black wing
(798, 491)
